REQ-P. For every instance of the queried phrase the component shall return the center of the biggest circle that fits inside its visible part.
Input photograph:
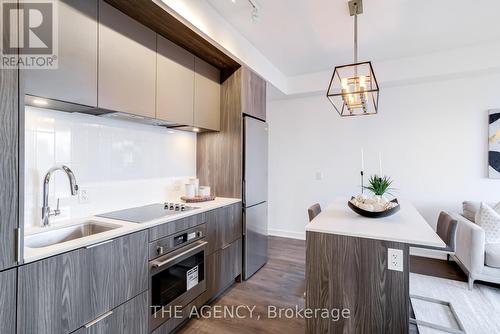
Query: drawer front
(223, 266)
(232, 224)
(224, 226)
(231, 256)
(54, 294)
(118, 271)
(175, 226)
(128, 318)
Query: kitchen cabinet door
(174, 83)
(8, 305)
(206, 95)
(75, 79)
(118, 271)
(231, 257)
(127, 63)
(230, 226)
(253, 94)
(222, 267)
(129, 318)
(53, 294)
(224, 225)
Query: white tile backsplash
(120, 164)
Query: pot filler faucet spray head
(46, 213)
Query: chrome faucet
(46, 213)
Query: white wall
(120, 164)
(433, 138)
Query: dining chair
(447, 231)
(313, 211)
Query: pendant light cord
(356, 33)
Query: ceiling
(306, 36)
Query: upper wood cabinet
(253, 94)
(206, 95)
(127, 63)
(174, 83)
(75, 79)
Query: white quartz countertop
(406, 226)
(33, 254)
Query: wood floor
(281, 283)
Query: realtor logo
(29, 34)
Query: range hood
(45, 103)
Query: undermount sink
(64, 234)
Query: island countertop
(406, 226)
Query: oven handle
(188, 251)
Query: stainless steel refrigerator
(255, 172)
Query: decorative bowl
(372, 214)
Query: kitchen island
(347, 268)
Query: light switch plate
(395, 259)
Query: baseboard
(287, 234)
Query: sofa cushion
(488, 219)
(470, 209)
(492, 255)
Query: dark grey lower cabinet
(62, 293)
(224, 226)
(129, 318)
(8, 301)
(118, 271)
(223, 266)
(54, 294)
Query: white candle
(362, 160)
(380, 163)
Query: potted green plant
(379, 186)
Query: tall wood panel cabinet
(9, 166)
(220, 155)
(75, 79)
(127, 63)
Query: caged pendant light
(353, 88)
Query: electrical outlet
(395, 259)
(319, 176)
(83, 196)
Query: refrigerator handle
(243, 222)
(243, 193)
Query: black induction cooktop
(146, 213)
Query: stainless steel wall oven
(177, 273)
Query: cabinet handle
(99, 244)
(102, 317)
(169, 260)
(226, 246)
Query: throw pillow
(489, 219)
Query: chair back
(313, 211)
(447, 230)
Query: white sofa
(480, 261)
